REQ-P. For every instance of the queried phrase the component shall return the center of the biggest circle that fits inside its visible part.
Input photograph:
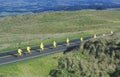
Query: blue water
(11, 7)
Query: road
(10, 56)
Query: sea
(13, 7)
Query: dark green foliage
(109, 46)
(100, 58)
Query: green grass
(37, 67)
(13, 43)
(60, 22)
(23, 30)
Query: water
(12, 7)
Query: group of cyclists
(20, 51)
(28, 49)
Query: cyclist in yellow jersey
(103, 34)
(111, 32)
(95, 36)
(19, 52)
(67, 41)
(28, 50)
(42, 46)
(81, 39)
(54, 44)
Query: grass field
(22, 30)
(73, 21)
(37, 67)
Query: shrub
(102, 61)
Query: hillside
(31, 29)
(60, 22)
(96, 58)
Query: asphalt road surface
(11, 56)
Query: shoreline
(24, 13)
